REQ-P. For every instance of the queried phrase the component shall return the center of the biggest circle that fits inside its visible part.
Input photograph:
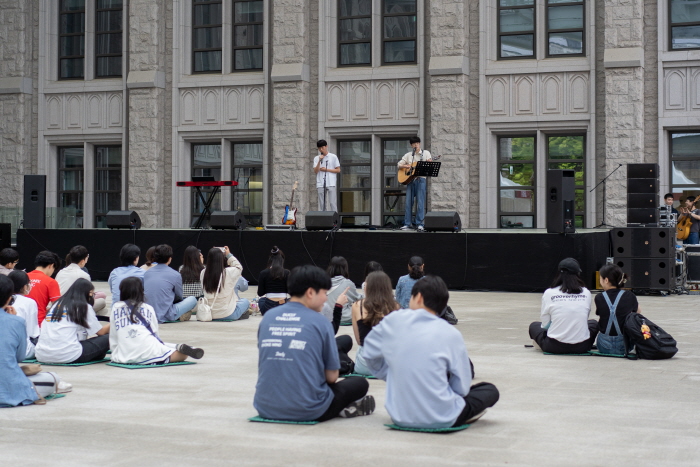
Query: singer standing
(326, 168)
(417, 188)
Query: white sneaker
(406, 227)
(63, 387)
(421, 228)
(364, 406)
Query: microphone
(414, 152)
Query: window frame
(694, 188)
(195, 3)
(96, 169)
(500, 34)
(385, 215)
(385, 40)
(247, 47)
(100, 33)
(59, 173)
(547, 31)
(339, 184)
(61, 35)
(548, 160)
(671, 25)
(341, 42)
(534, 162)
(194, 198)
(236, 190)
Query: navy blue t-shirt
(296, 345)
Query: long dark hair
(372, 266)
(276, 263)
(191, 265)
(379, 301)
(216, 263)
(338, 267)
(75, 303)
(569, 282)
(614, 274)
(415, 264)
(131, 293)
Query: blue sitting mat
(133, 366)
(428, 430)
(357, 374)
(570, 354)
(75, 364)
(54, 396)
(289, 422)
(30, 360)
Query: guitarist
(326, 168)
(694, 215)
(417, 188)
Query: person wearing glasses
(8, 260)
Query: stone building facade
(116, 100)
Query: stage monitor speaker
(322, 220)
(34, 211)
(123, 220)
(227, 220)
(561, 192)
(643, 185)
(442, 221)
(693, 263)
(649, 273)
(642, 170)
(5, 236)
(644, 242)
(647, 216)
(642, 200)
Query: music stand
(427, 169)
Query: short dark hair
(19, 278)
(128, 254)
(691, 198)
(338, 267)
(7, 289)
(414, 140)
(47, 258)
(321, 142)
(162, 253)
(434, 292)
(8, 255)
(76, 254)
(668, 195)
(304, 277)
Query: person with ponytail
(134, 336)
(565, 327)
(405, 283)
(272, 282)
(613, 306)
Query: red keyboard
(219, 183)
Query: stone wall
(473, 148)
(651, 82)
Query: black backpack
(651, 342)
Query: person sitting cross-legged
(424, 361)
(163, 287)
(298, 358)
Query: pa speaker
(643, 185)
(642, 170)
(644, 242)
(641, 200)
(561, 191)
(227, 220)
(322, 220)
(443, 221)
(648, 216)
(649, 273)
(123, 220)
(34, 202)
(5, 236)
(693, 267)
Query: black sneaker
(245, 315)
(475, 417)
(364, 406)
(190, 351)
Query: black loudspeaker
(643, 185)
(227, 220)
(643, 216)
(649, 273)
(442, 221)
(34, 202)
(644, 242)
(642, 170)
(322, 220)
(123, 220)
(693, 263)
(561, 191)
(641, 201)
(5, 236)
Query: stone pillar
(624, 106)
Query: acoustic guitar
(683, 227)
(290, 212)
(407, 175)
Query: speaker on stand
(561, 192)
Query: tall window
(399, 31)
(685, 163)
(71, 39)
(108, 38)
(684, 27)
(568, 152)
(71, 184)
(355, 182)
(516, 28)
(354, 32)
(206, 36)
(248, 35)
(516, 181)
(393, 193)
(565, 32)
(108, 182)
(206, 162)
(248, 172)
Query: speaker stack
(647, 256)
(561, 192)
(642, 195)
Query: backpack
(651, 342)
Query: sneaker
(186, 316)
(63, 387)
(421, 228)
(245, 315)
(190, 351)
(475, 417)
(405, 227)
(536, 345)
(364, 406)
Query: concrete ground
(554, 410)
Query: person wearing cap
(565, 327)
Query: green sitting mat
(30, 360)
(136, 367)
(176, 321)
(600, 354)
(357, 374)
(54, 396)
(109, 351)
(224, 320)
(346, 324)
(428, 430)
(569, 354)
(75, 364)
(267, 420)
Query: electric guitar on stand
(290, 212)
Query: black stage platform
(517, 261)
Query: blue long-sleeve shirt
(425, 364)
(118, 275)
(161, 285)
(15, 387)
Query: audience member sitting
(370, 267)
(298, 359)
(565, 327)
(8, 260)
(67, 327)
(16, 388)
(26, 309)
(340, 281)
(129, 258)
(219, 283)
(272, 282)
(191, 270)
(424, 361)
(76, 260)
(369, 311)
(405, 283)
(150, 262)
(45, 290)
(163, 287)
(134, 336)
(613, 306)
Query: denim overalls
(607, 344)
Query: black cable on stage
(240, 246)
(37, 241)
(301, 234)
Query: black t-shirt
(267, 284)
(695, 226)
(628, 304)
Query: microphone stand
(603, 224)
(325, 173)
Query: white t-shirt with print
(568, 315)
(60, 340)
(330, 161)
(26, 308)
(133, 342)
